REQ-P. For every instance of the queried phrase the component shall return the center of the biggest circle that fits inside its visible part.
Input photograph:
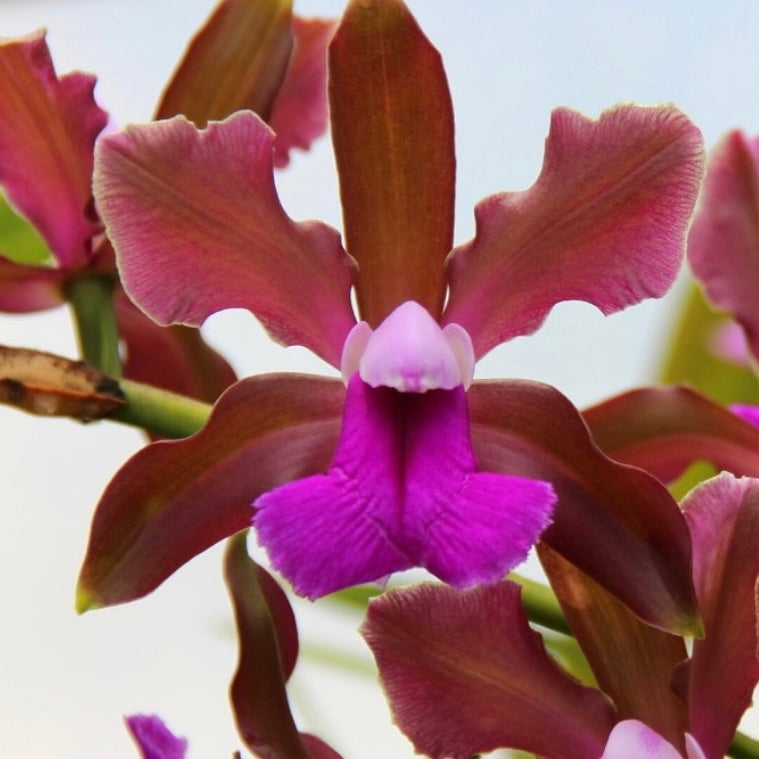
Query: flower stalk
(91, 299)
(161, 412)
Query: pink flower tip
(409, 352)
(631, 738)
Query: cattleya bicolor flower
(464, 672)
(419, 470)
(723, 245)
(268, 650)
(247, 55)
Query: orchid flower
(723, 246)
(419, 470)
(464, 673)
(48, 126)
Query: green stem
(743, 747)
(91, 300)
(160, 411)
(333, 657)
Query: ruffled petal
(48, 126)
(236, 62)
(392, 128)
(604, 223)
(723, 516)
(631, 739)
(615, 522)
(664, 430)
(402, 492)
(154, 739)
(333, 530)
(299, 114)
(174, 499)
(464, 526)
(465, 674)
(723, 245)
(197, 227)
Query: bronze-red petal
(174, 499)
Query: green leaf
(691, 360)
(19, 240)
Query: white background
(65, 681)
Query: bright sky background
(65, 681)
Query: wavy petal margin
(174, 499)
(392, 129)
(48, 126)
(615, 522)
(197, 228)
(604, 223)
(723, 516)
(723, 245)
(666, 429)
(465, 674)
(237, 61)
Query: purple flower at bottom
(631, 739)
(154, 739)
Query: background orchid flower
(250, 55)
(631, 738)
(666, 430)
(464, 672)
(605, 222)
(723, 245)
